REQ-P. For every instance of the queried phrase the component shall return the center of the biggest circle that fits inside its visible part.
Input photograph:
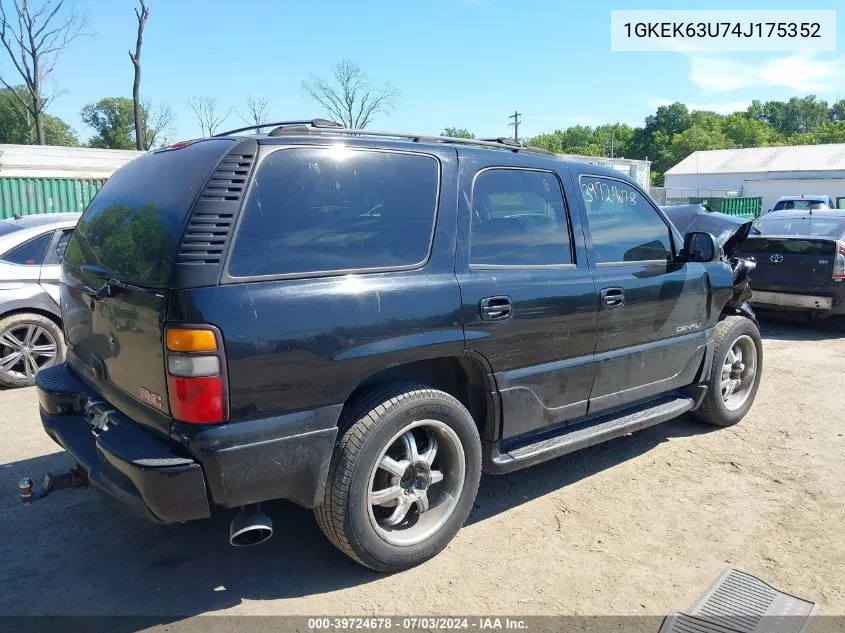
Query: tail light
(196, 382)
(839, 262)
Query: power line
(515, 116)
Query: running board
(573, 438)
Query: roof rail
(315, 123)
(324, 126)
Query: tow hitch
(75, 478)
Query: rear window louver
(228, 181)
(211, 222)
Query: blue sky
(467, 63)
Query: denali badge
(687, 328)
(150, 397)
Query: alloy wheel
(25, 349)
(416, 482)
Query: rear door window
(518, 219)
(624, 226)
(131, 229)
(324, 210)
(30, 253)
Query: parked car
(800, 262)
(803, 203)
(363, 322)
(31, 250)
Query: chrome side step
(588, 433)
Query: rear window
(131, 229)
(800, 205)
(30, 253)
(323, 210)
(808, 227)
(7, 227)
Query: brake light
(839, 262)
(195, 382)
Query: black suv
(364, 322)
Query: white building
(766, 172)
(639, 170)
(48, 161)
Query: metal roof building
(766, 172)
(49, 179)
(48, 161)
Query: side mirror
(700, 247)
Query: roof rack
(324, 126)
(315, 123)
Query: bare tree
(157, 123)
(208, 113)
(257, 111)
(142, 16)
(348, 97)
(33, 37)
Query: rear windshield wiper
(111, 288)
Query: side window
(316, 210)
(29, 253)
(61, 245)
(623, 224)
(518, 219)
(840, 203)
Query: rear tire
(735, 372)
(28, 343)
(403, 477)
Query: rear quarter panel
(295, 344)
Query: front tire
(403, 477)
(735, 372)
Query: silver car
(31, 251)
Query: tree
(837, 111)
(156, 124)
(16, 126)
(33, 37)
(112, 119)
(207, 111)
(456, 132)
(142, 15)
(256, 112)
(347, 96)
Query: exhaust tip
(250, 527)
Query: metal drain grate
(740, 603)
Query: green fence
(25, 196)
(741, 207)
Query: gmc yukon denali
(364, 322)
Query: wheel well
(462, 378)
(45, 313)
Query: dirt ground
(640, 525)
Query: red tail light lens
(196, 400)
(196, 378)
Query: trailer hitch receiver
(75, 478)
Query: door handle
(613, 298)
(496, 308)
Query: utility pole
(515, 116)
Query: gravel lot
(641, 525)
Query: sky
(463, 63)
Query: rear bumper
(798, 300)
(171, 480)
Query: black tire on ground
(366, 428)
(24, 320)
(713, 409)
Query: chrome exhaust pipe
(250, 527)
